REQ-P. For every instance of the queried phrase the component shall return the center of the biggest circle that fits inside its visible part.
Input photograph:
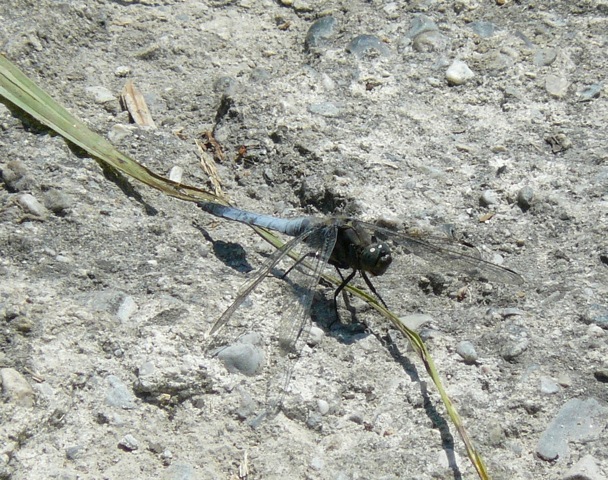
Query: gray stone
(15, 388)
(129, 443)
(483, 29)
(458, 73)
(325, 109)
(556, 86)
(319, 32)
(100, 94)
(242, 357)
(589, 93)
(488, 198)
(421, 24)
(119, 395)
(15, 177)
(525, 196)
(467, 351)
(545, 57)
(31, 204)
(577, 421)
(585, 469)
(363, 45)
(548, 386)
(57, 201)
(431, 41)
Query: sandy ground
(107, 288)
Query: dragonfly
(345, 243)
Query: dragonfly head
(376, 258)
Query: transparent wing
(447, 254)
(289, 335)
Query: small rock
(514, 349)
(15, 177)
(175, 174)
(548, 385)
(458, 73)
(416, 320)
(127, 308)
(420, 24)
(100, 94)
(128, 443)
(589, 93)
(315, 336)
(180, 471)
(325, 109)
(577, 421)
(322, 407)
(467, 351)
(431, 41)
(488, 198)
(122, 71)
(119, 395)
(31, 205)
(72, 453)
(545, 57)
(585, 469)
(16, 388)
(596, 314)
(525, 196)
(365, 44)
(556, 86)
(319, 32)
(483, 29)
(225, 85)
(57, 201)
(242, 357)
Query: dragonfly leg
(300, 260)
(373, 289)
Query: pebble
(181, 471)
(15, 388)
(548, 386)
(57, 201)
(14, 175)
(175, 174)
(483, 29)
(488, 198)
(458, 73)
(325, 109)
(512, 350)
(31, 205)
(100, 94)
(596, 314)
(431, 41)
(225, 85)
(315, 336)
(467, 351)
(365, 44)
(319, 32)
(420, 24)
(119, 395)
(128, 443)
(416, 320)
(577, 421)
(585, 469)
(525, 196)
(322, 407)
(545, 57)
(589, 93)
(242, 357)
(556, 86)
(72, 453)
(127, 308)
(122, 71)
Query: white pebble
(458, 73)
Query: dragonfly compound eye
(376, 259)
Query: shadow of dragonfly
(345, 243)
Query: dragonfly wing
(249, 286)
(448, 255)
(294, 329)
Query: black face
(375, 258)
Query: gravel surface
(485, 118)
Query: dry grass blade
(135, 103)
